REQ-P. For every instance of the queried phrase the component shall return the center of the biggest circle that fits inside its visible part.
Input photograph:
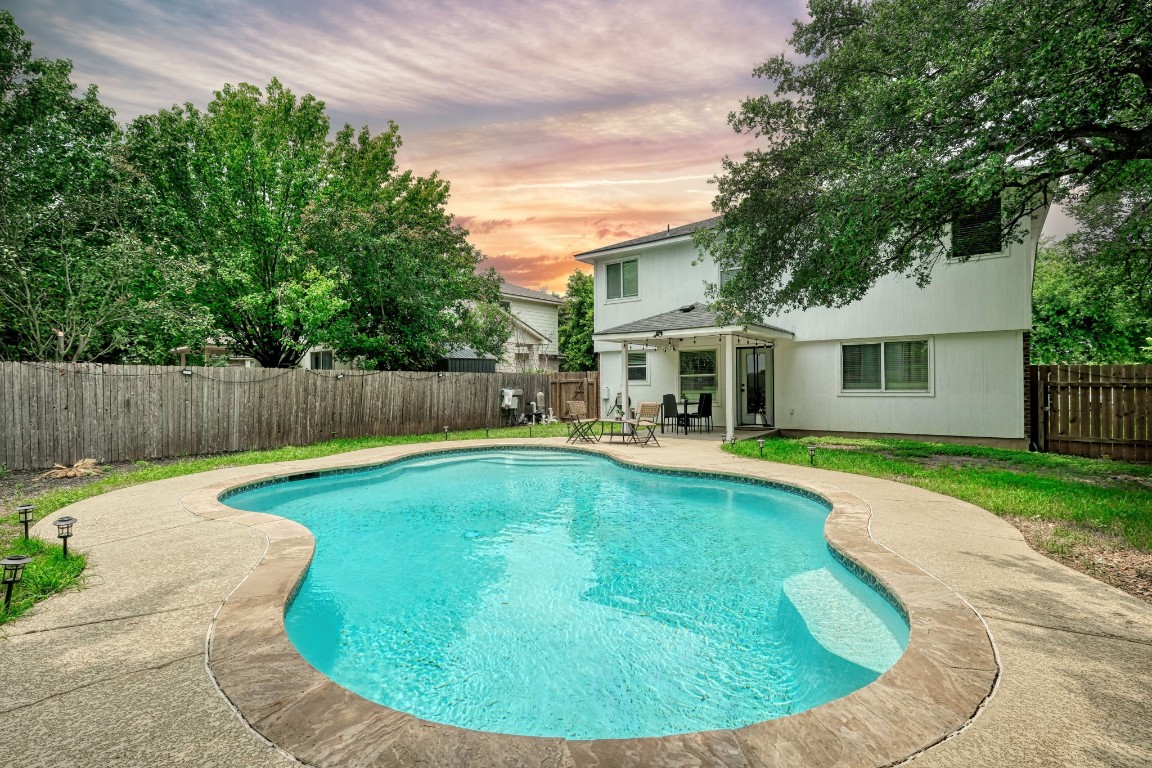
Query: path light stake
(13, 572)
(445, 434)
(485, 431)
(760, 443)
(25, 513)
(812, 455)
(64, 530)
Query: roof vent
(687, 307)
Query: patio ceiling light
(64, 529)
(13, 572)
(25, 513)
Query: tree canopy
(576, 324)
(889, 118)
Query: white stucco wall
(977, 383)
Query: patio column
(730, 383)
(624, 377)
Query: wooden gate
(584, 385)
(1093, 410)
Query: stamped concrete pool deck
(116, 674)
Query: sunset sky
(563, 126)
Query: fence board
(64, 412)
(1103, 410)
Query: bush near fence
(60, 413)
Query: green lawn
(49, 572)
(1109, 495)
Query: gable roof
(668, 234)
(520, 292)
(691, 317)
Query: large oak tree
(889, 118)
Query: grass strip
(1099, 493)
(49, 572)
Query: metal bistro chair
(672, 413)
(703, 411)
(581, 424)
(645, 423)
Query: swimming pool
(561, 594)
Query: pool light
(64, 530)
(13, 572)
(812, 455)
(25, 513)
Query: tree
(233, 184)
(1077, 317)
(576, 324)
(408, 275)
(75, 278)
(894, 116)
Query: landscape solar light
(64, 530)
(13, 572)
(445, 433)
(760, 442)
(25, 513)
(812, 455)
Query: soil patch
(1099, 554)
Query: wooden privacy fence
(60, 413)
(1093, 410)
(584, 386)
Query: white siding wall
(978, 390)
(540, 316)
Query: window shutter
(977, 231)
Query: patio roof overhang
(690, 321)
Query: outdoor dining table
(684, 403)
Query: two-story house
(943, 361)
(533, 344)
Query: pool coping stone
(934, 689)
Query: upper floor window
(321, 361)
(727, 274)
(977, 231)
(885, 366)
(623, 280)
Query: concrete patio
(115, 674)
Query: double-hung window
(623, 280)
(886, 366)
(322, 361)
(698, 373)
(637, 366)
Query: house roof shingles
(519, 291)
(667, 234)
(690, 316)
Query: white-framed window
(698, 373)
(637, 367)
(726, 275)
(896, 366)
(977, 232)
(322, 361)
(623, 279)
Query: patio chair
(645, 423)
(672, 413)
(703, 411)
(581, 424)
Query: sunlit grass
(1095, 492)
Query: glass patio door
(754, 377)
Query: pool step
(839, 619)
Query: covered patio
(686, 352)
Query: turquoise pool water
(551, 593)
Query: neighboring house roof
(465, 353)
(520, 292)
(529, 328)
(694, 317)
(668, 234)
